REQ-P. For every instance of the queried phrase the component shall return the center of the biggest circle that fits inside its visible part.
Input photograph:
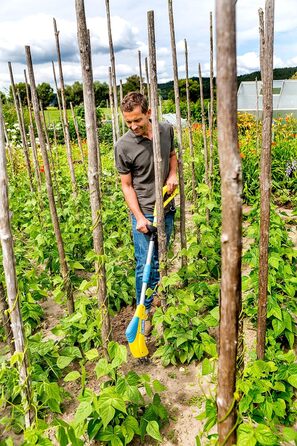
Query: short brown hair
(132, 100)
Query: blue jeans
(141, 242)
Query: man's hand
(141, 224)
(171, 184)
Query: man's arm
(171, 180)
(132, 202)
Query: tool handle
(151, 229)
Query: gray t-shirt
(134, 154)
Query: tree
(21, 88)
(132, 84)
(101, 91)
(45, 93)
(3, 97)
(193, 90)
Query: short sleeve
(122, 162)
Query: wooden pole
(211, 110)
(191, 145)
(231, 189)
(32, 139)
(113, 73)
(77, 133)
(147, 81)
(93, 168)
(10, 151)
(257, 115)
(265, 174)
(22, 129)
(203, 128)
(13, 297)
(183, 236)
(158, 162)
(59, 100)
(49, 185)
(121, 99)
(140, 73)
(49, 149)
(64, 110)
(4, 312)
(111, 102)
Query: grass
(52, 114)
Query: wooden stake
(6, 239)
(32, 139)
(4, 312)
(65, 118)
(147, 81)
(10, 151)
(111, 101)
(22, 129)
(265, 173)
(77, 133)
(93, 168)
(191, 145)
(49, 185)
(140, 73)
(121, 99)
(59, 101)
(204, 136)
(211, 111)
(158, 162)
(183, 236)
(231, 189)
(113, 73)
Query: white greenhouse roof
(284, 97)
(171, 119)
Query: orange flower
(41, 169)
(242, 155)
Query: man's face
(137, 121)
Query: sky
(30, 22)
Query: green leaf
(158, 387)
(62, 436)
(152, 429)
(181, 340)
(289, 434)
(279, 386)
(292, 380)
(207, 367)
(103, 368)
(92, 354)
(129, 428)
(278, 327)
(72, 376)
(245, 435)
(106, 413)
(265, 436)
(83, 411)
(64, 361)
(77, 265)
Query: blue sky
(30, 22)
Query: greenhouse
(250, 98)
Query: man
(135, 162)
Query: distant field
(52, 114)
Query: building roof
(284, 96)
(171, 119)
